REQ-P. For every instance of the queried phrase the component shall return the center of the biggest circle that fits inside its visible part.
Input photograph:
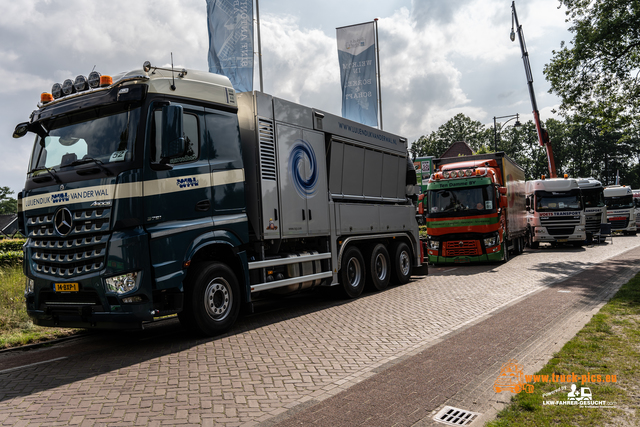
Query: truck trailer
(621, 212)
(162, 191)
(555, 212)
(475, 209)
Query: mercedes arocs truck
(555, 212)
(595, 210)
(621, 212)
(163, 191)
(475, 209)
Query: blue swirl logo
(305, 186)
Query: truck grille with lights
(592, 224)
(619, 222)
(462, 248)
(81, 251)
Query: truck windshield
(621, 202)
(99, 135)
(558, 200)
(593, 198)
(471, 200)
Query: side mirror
(502, 190)
(504, 202)
(21, 130)
(527, 204)
(173, 144)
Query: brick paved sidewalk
(409, 392)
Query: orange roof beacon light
(566, 175)
(542, 177)
(46, 97)
(105, 81)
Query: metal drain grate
(455, 417)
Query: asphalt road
(298, 359)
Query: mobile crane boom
(543, 135)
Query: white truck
(621, 211)
(636, 203)
(595, 209)
(163, 191)
(555, 212)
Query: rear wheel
(532, 244)
(505, 251)
(212, 302)
(379, 267)
(352, 272)
(401, 272)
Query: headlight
(580, 228)
(490, 241)
(434, 244)
(29, 286)
(67, 87)
(123, 283)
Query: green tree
(7, 204)
(458, 128)
(596, 76)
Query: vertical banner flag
(231, 41)
(356, 55)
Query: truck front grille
(619, 224)
(462, 248)
(560, 231)
(82, 251)
(593, 223)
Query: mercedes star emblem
(62, 221)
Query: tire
(401, 263)
(505, 251)
(379, 267)
(532, 244)
(352, 272)
(212, 302)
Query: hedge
(11, 251)
(11, 245)
(10, 258)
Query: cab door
(177, 192)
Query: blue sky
(438, 58)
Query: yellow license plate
(67, 287)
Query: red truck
(475, 209)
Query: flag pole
(378, 71)
(259, 45)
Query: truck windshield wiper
(89, 160)
(51, 171)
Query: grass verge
(16, 328)
(608, 345)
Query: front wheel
(212, 301)
(401, 264)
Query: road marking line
(30, 365)
(565, 292)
